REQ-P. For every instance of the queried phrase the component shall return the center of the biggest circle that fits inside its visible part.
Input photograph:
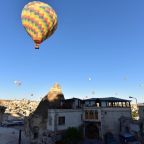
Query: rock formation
(36, 123)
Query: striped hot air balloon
(39, 20)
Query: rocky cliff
(36, 123)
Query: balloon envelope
(39, 20)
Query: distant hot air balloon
(89, 79)
(141, 85)
(31, 94)
(125, 78)
(116, 93)
(39, 20)
(17, 82)
(93, 92)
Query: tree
(72, 136)
(134, 114)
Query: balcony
(92, 115)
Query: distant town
(56, 120)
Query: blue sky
(98, 39)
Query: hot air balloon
(89, 79)
(31, 94)
(93, 92)
(17, 82)
(39, 20)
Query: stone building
(101, 115)
(141, 117)
(55, 114)
(128, 125)
(69, 115)
(97, 116)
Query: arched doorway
(92, 131)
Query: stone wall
(73, 118)
(141, 111)
(110, 119)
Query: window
(97, 104)
(35, 135)
(36, 132)
(109, 104)
(96, 114)
(81, 117)
(86, 114)
(61, 120)
(91, 115)
(50, 121)
(124, 104)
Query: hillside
(19, 108)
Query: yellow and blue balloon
(39, 20)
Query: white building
(55, 114)
(61, 119)
(103, 114)
(70, 114)
(97, 115)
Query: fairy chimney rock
(56, 88)
(51, 101)
(55, 93)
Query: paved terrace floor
(10, 136)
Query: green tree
(72, 136)
(134, 114)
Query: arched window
(86, 114)
(91, 115)
(96, 114)
(97, 104)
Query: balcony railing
(91, 115)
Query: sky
(96, 51)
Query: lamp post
(19, 140)
(134, 98)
